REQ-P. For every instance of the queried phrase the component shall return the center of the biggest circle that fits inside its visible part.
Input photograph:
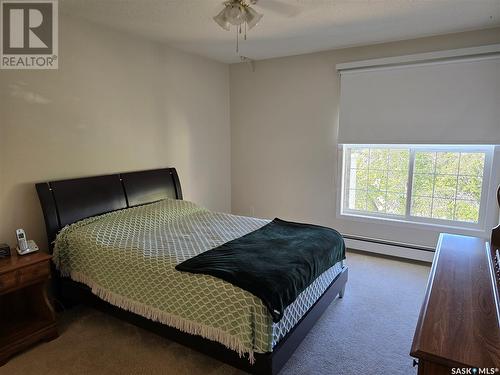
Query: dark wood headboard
(67, 201)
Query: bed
(113, 229)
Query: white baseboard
(392, 250)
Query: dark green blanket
(275, 263)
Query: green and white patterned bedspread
(128, 258)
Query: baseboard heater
(391, 248)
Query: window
(433, 184)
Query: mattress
(128, 258)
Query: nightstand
(26, 315)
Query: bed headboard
(67, 201)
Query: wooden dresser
(26, 315)
(459, 323)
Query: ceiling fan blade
(279, 6)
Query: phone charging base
(32, 247)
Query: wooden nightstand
(26, 315)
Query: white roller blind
(453, 102)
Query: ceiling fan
(241, 14)
(237, 13)
(279, 6)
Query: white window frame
(407, 219)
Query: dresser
(459, 324)
(26, 314)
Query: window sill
(437, 227)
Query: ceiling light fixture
(240, 14)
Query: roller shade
(446, 102)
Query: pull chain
(237, 41)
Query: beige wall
(284, 119)
(120, 103)
(117, 103)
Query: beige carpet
(367, 332)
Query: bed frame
(67, 201)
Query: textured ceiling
(289, 27)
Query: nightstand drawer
(8, 281)
(39, 271)
(26, 314)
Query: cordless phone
(23, 245)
